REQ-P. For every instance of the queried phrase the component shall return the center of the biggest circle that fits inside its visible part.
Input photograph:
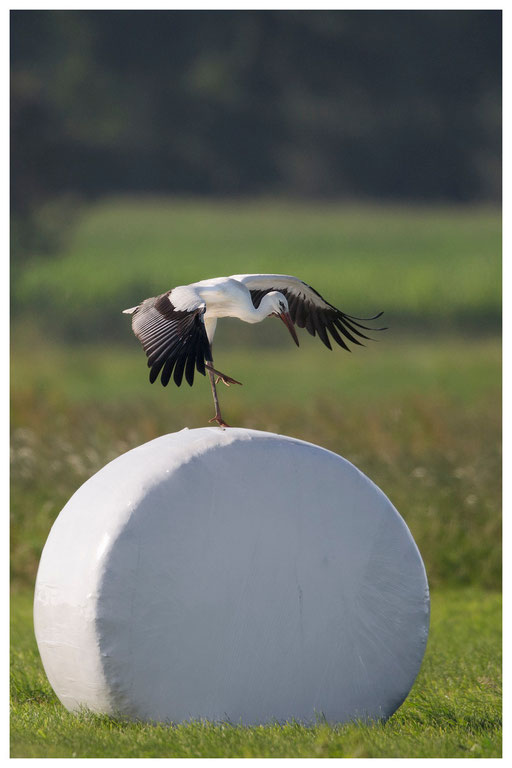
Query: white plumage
(176, 329)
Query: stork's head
(276, 304)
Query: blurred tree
(360, 104)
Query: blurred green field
(434, 266)
(419, 411)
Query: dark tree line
(360, 104)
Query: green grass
(419, 412)
(453, 710)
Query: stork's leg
(218, 417)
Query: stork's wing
(172, 339)
(308, 309)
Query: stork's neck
(250, 314)
(234, 300)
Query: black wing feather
(189, 370)
(340, 324)
(173, 340)
(320, 324)
(310, 326)
(167, 370)
(358, 333)
(334, 333)
(178, 370)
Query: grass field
(419, 412)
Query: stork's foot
(227, 380)
(220, 421)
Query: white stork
(176, 329)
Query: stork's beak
(285, 317)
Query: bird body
(176, 329)
(222, 297)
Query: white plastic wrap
(231, 574)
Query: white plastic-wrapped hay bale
(231, 574)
